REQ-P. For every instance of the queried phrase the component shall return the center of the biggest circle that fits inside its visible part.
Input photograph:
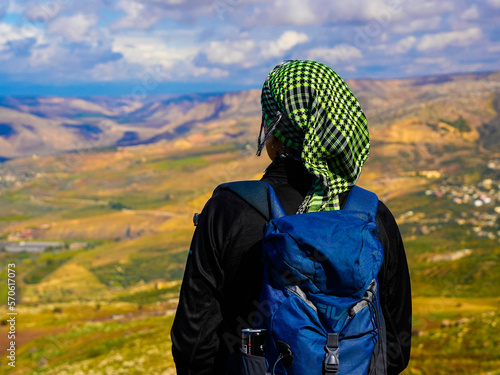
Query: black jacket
(222, 280)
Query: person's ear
(272, 145)
(271, 151)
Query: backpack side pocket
(252, 364)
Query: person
(317, 138)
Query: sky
(132, 47)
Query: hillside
(46, 126)
(103, 299)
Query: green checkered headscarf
(310, 108)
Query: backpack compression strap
(360, 199)
(258, 194)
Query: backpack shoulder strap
(360, 199)
(258, 194)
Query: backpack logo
(328, 311)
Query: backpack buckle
(331, 362)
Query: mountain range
(48, 125)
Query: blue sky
(132, 47)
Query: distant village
(483, 197)
(13, 177)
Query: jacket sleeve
(395, 296)
(221, 284)
(195, 342)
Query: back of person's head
(311, 110)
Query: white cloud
(494, 3)
(227, 52)
(7, 34)
(297, 12)
(301, 13)
(494, 48)
(114, 70)
(384, 13)
(285, 42)
(343, 52)
(42, 13)
(426, 8)
(402, 46)
(11, 6)
(74, 28)
(406, 27)
(380, 11)
(443, 65)
(384, 37)
(247, 52)
(278, 12)
(31, 49)
(210, 72)
(11, 33)
(443, 61)
(471, 13)
(137, 15)
(46, 55)
(4, 31)
(15, 39)
(453, 38)
(152, 51)
(152, 75)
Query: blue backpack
(320, 300)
